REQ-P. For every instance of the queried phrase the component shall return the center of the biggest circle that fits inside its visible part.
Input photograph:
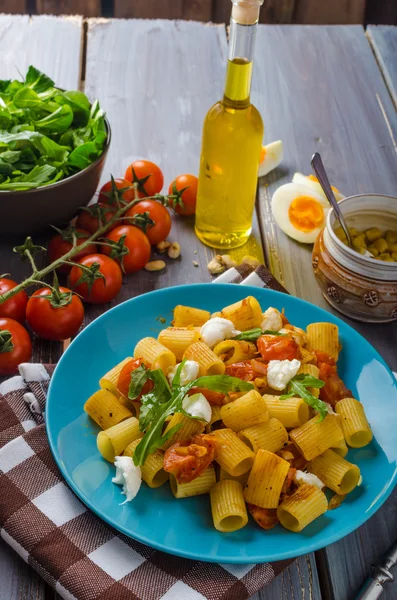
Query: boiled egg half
(312, 182)
(299, 211)
(270, 157)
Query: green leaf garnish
(271, 332)
(251, 335)
(298, 386)
(138, 379)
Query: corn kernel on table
(319, 88)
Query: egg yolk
(314, 178)
(305, 213)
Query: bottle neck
(240, 61)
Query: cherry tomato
(334, 388)
(124, 380)
(210, 395)
(148, 175)
(274, 347)
(54, 317)
(106, 189)
(247, 370)
(265, 517)
(15, 307)
(185, 204)
(62, 243)
(159, 214)
(137, 244)
(187, 460)
(97, 215)
(15, 346)
(102, 290)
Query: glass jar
(360, 287)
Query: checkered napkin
(74, 551)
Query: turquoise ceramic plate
(184, 527)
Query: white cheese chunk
(302, 477)
(279, 372)
(190, 371)
(271, 320)
(197, 406)
(217, 330)
(128, 476)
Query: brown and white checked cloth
(73, 550)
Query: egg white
(273, 157)
(281, 201)
(313, 185)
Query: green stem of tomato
(38, 275)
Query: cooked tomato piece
(210, 395)
(124, 380)
(288, 480)
(334, 388)
(323, 357)
(265, 517)
(243, 370)
(275, 347)
(187, 460)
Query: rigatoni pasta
(201, 485)
(271, 436)
(324, 337)
(178, 339)
(304, 506)
(244, 412)
(291, 412)
(315, 436)
(245, 314)
(109, 381)
(266, 479)
(335, 472)
(232, 454)
(228, 508)
(233, 351)
(153, 468)
(355, 426)
(187, 315)
(113, 441)
(154, 354)
(209, 363)
(188, 428)
(105, 409)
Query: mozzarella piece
(128, 475)
(280, 372)
(197, 406)
(302, 477)
(273, 155)
(190, 371)
(217, 330)
(272, 320)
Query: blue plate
(184, 527)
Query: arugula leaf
(36, 80)
(138, 379)
(251, 335)
(151, 403)
(176, 381)
(222, 383)
(271, 332)
(298, 387)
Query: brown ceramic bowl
(358, 286)
(30, 211)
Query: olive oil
(232, 140)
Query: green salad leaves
(298, 386)
(163, 401)
(46, 134)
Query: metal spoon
(318, 168)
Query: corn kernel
(381, 245)
(394, 256)
(373, 250)
(373, 234)
(359, 242)
(385, 256)
(391, 236)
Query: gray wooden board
(319, 89)
(383, 39)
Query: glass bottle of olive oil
(232, 139)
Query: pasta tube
(109, 381)
(115, 440)
(303, 507)
(355, 426)
(245, 314)
(187, 315)
(315, 372)
(152, 470)
(246, 411)
(291, 412)
(315, 436)
(178, 339)
(209, 363)
(201, 485)
(154, 354)
(231, 453)
(340, 447)
(228, 508)
(271, 436)
(232, 351)
(335, 472)
(215, 414)
(305, 356)
(105, 409)
(324, 337)
(266, 479)
(242, 479)
(190, 427)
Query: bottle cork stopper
(246, 12)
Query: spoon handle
(318, 168)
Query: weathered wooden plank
(383, 40)
(197, 10)
(87, 8)
(13, 6)
(298, 582)
(329, 13)
(17, 579)
(325, 79)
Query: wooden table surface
(319, 88)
